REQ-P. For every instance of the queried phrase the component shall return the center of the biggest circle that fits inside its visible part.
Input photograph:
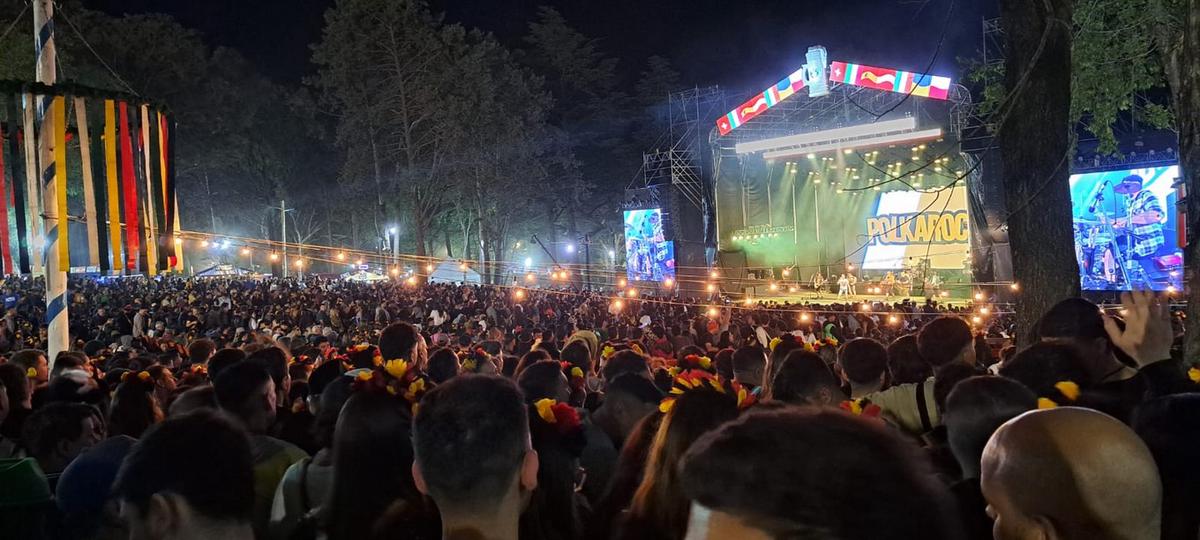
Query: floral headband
(562, 416)
(129, 375)
(696, 380)
(861, 407)
(574, 374)
(689, 362)
(396, 378)
(1068, 390)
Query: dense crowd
(279, 409)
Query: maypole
(51, 126)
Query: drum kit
(1098, 248)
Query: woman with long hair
(372, 472)
(555, 508)
(134, 406)
(660, 509)
(627, 475)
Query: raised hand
(1148, 334)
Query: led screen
(649, 256)
(1125, 228)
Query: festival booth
(363, 276)
(451, 272)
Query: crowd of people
(279, 409)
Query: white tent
(363, 276)
(452, 272)
(226, 271)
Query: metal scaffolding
(690, 116)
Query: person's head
(529, 358)
(32, 359)
(626, 361)
(805, 379)
(188, 477)
(946, 339)
(576, 352)
(399, 340)
(553, 511)
(373, 459)
(1043, 367)
(1070, 472)
(627, 400)
(947, 377)
(473, 453)
(1170, 427)
(973, 411)
(68, 360)
(787, 344)
(58, 432)
(749, 364)
(83, 491)
(905, 365)
(275, 361)
(1077, 322)
(443, 365)
(246, 391)
(193, 399)
(223, 359)
(798, 472)
(18, 387)
(201, 350)
(134, 407)
(863, 363)
(723, 363)
(660, 499)
(543, 380)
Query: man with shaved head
(1070, 473)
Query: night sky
(743, 45)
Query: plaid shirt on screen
(1147, 238)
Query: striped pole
(53, 178)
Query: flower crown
(861, 407)
(697, 380)
(129, 375)
(562, 416)
(1068, 390)
(689, 363)
(31, 373)
(1194, 374)
(574, 374)
(396, 378)
(820, 343)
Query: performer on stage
(818, 281)
(1144, 222)
(853, 280)
(843, 286)
(889, 284)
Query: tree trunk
(1035, 146)
(446, 238)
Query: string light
(668, 282)
(1171, 289)
(792, 289)
(632, 293)
(893, 319)
(178, 241)
(803, 317)
(530, 277)
(341, 256)
(274, 256)
(429, 268)
(519, 294)
(979, 296)
(1014, 286)
(866, 306)
(245, 251)
(711, 287)
(774, 286)
(621, 282)
(463, 267)
(786, 272)
(395, 271)
(976, 319)
(618, 304)
(983, 310)
(299, 263)
(749, 301)
(944, 294)
(412, 280)
(713, 312)
(713, 274)
(204, 243)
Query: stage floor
(813, 297)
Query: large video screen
(1126, 229)
(649, 256)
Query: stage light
(341, 256)
(429, 268)
(792, 289)
(711, 287)
(812, 156)
(274, 256)
(632, 293)
(848, 151)
(530, 277)
(622, 282)
(835, 136)
(713, 312)
(773, 286)
(245, 251)
(668, 282)
(979, 296)
(1014, 286)
(865, 141)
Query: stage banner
(910, 227)
(33, 189)
(891, 80)
(89, 193)
(129, 190)
(6, 266)
(112, 191)
(144, 147)
(18, 192)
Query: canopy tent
(452, 272)
(363, 276)
(226, 270)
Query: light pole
(394, 242)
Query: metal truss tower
(691, 114)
